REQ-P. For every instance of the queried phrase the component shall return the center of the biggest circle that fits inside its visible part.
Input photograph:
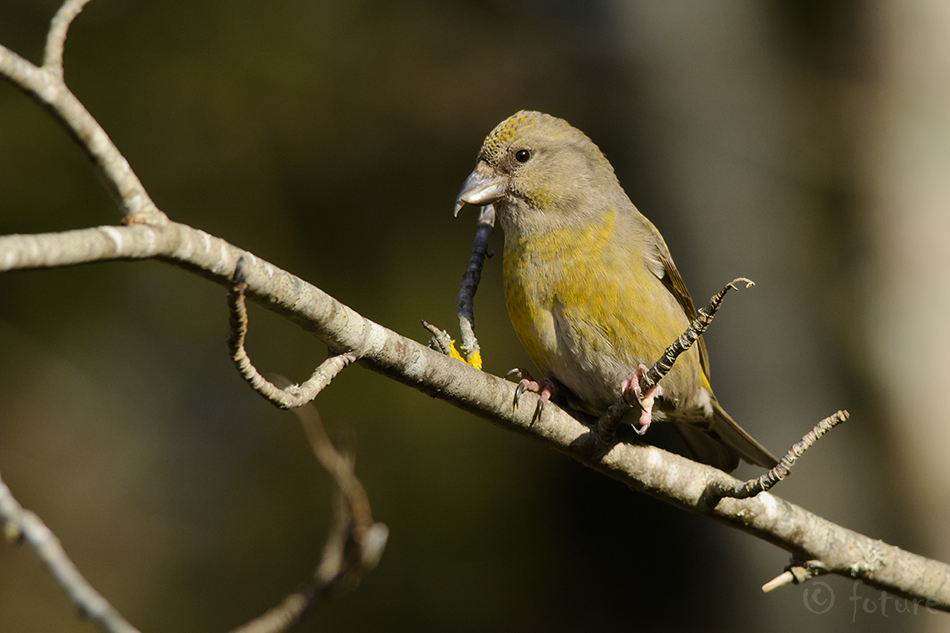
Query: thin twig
(21, 525)
(294, 395)
(355, 543)
(45, 85)
(340, 465)
(441, 340)
(609, 421)
(470, 281)
(56, 38)
(752, 487)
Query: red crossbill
(590, 285)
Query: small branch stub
(796, 573)
(442, 342)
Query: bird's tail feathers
(723, 442)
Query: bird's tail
(720, 442)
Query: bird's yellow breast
(585, 307)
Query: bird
(591, 288)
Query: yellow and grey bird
(590, 286)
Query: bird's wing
(666, 271)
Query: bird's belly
(563, 330)
(591, 331)
(587, 361)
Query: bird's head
(539, 172)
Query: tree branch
(671, 478)
(21, 525)
(473, 274)
(744, 490)
(354, 546)
(288, 397)
(45, 85)
(56, 38)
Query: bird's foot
(546, 388)
(645, 400)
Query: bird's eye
(522, 156)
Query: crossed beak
(483, 186)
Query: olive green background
(330, 138)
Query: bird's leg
(645, 400)
(546, 388)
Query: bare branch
(668, 477)
(746, 489)
(470, 352)
(293, 395)
(56, 38)
(46, 87)
(355, 543)
(21, 525)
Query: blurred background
(803, 145)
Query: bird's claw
(546, 388)
(643, 400)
